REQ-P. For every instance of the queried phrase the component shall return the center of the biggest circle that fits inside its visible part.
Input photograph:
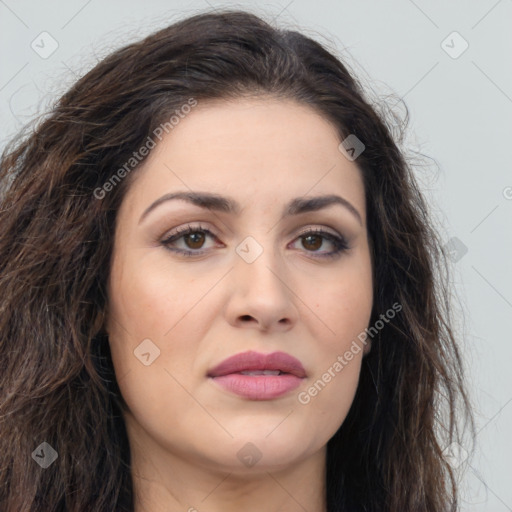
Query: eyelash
(339, 242)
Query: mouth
(258, 376)
(262, 372)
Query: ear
(367, 348)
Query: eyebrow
(228, 205)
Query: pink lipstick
(259, 376)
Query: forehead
(246, 127)
(261, 147)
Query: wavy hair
(57, 381)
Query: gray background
(461, 117)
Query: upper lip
(252, 361)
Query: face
(253, 274)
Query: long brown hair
(57, 226)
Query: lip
(253, 361)
(259, 387)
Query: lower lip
(259, 387)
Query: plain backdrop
(451, 64)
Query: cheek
(149, 298)
(343, 305)
(148, 302)
(343, 308)
(330, 391)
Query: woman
(222, 291)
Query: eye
(193, 236)
(313, 239)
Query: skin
(184, 430)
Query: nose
(262, 296)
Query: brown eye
(195, 239)
(192, 237)
(312, 242)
